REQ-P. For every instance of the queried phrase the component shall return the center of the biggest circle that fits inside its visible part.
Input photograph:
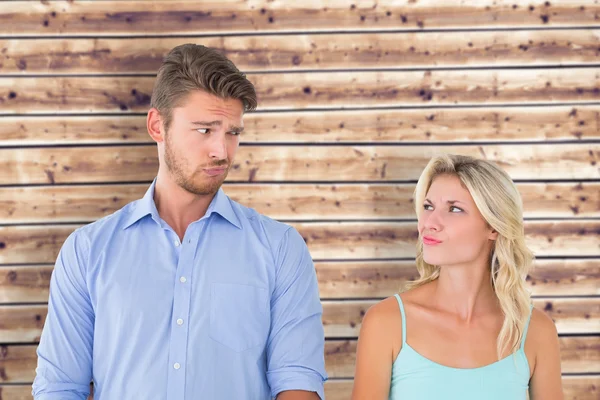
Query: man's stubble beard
(176, 169)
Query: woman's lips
(215, 171)
(430, 241)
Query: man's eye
(235, 133)
(203, 130)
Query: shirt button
(176, 366)
(179, 321)
(176, 243)
(182, 279)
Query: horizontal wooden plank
(256, 163)
(329, 90)
(24, 323)
(379, 279)
(350, 279)
(575, 387)
(53, 204)
(330, 240)
(578, 355)
(18, 363)
(584, 387)
(25, 284)
(132, 18)
(571, 315)
(548, 123)
(303, 51)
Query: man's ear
(154, 125)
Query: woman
(466, 328)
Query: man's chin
(205, 189)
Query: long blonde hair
(500, 204)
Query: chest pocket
(239, 315)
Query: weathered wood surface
(348, 279)
(571, 315)
(549, 123)
(303, 51)
(255, 163)
(582, 387)
(56, 203)
(327, 90)
(330, 240)
(578, 354)
(379, 279)
(130, 18)
(24, 323)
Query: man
(185, 294)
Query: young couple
(186, 294)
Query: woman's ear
(154, 125)
(493, 235)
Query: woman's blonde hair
(498, 200)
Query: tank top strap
(402, 314)
(526, 328)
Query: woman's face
(451, 227)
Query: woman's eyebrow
(447, 201)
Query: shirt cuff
(59, 396)
(282, 381)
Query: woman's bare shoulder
(383, 313)
(541, 329)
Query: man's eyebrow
(218, 123)
(207, 123)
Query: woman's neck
(465, 290)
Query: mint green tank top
(415, 377)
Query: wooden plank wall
(355, 97)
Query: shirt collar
(220, 204)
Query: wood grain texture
(379, 279)
(578, 355)
(326, 90)
(130, 18)
(256, 163)
(348, 279)
(506, 124)
(303, 51)
(342, 319)
(330, 240)
(299, 202)
(30, 284)
(24, 323)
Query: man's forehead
(224, 114)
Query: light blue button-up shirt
(230, 312)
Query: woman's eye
(203, 130)
(455, 209)
(427, 207)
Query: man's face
(202, 140)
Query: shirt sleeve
(64, 368)
(295, 349)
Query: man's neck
(178, 207)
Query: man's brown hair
(190, 67)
